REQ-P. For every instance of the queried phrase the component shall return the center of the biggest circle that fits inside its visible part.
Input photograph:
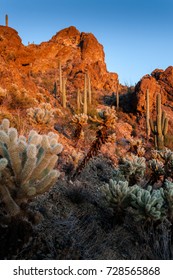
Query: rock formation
(37, 65)
(160, 81)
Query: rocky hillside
(28, 75)
(80, 217)
(36, 66)
(160, 81)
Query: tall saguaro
(117, 96)
(148, 128)
(60, 78)
(159, 127)
(6, 20)
(85, 96)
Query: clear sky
(137, 35)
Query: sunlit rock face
(78, 53)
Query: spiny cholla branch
(26, 165)
(106, 123)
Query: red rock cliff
(160, 81)
(37, 65)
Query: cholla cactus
(155, 154)
(133, 168)
(167, 156)
(104, 134)
(79, 120)
(117, 194)
(161, 164)
(157, 169)
(168, 190)
(107, 118)
(42, 115)
(136, 146)
(3, 164)
(26, 166)
(148, 203)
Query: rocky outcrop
(159, 81)
(37, 65)
(79, 53)
(147, 82)
(13, 55)
(165, 80)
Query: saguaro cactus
(6, 20)
(60, 77)
(85, 108)
(78, 100)
(64, 98)
(148, 129)
(89, 90)
(87, 98)
(160, 127)
(117, 96)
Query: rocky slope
(36, 67)
(78, 53)
(73, 221)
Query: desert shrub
(11, 57)
(5, 114)
(3, 95)
(39, 97)
(16, 119)
(47, 83)
(92, 111)
(26, 166)
(19, 99)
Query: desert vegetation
(86, 169)
(110, 179)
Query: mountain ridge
(78, 52)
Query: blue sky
(137, 35)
